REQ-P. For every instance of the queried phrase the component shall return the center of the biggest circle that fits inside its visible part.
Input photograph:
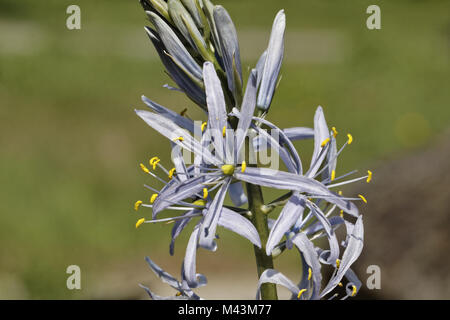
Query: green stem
(259, 219)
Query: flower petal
(287, 218)
(321, 133)
(178, 226)
(238, 224)
(272, 66)
(237, 194)
(276, 277)
(189, 263)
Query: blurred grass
(70, 142)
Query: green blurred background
(70, 143)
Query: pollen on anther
(362, 198)
(335, 133)
(350, 138)
(178, 139)
(171, 171)
(137, 205)
(338, 263)
(203, 126)
(353, 290)
(324, 142)
(139, 222)
(224, 131)
(153, 160)
(300, 293)
(333, 175)
(153, 197)
(155, 163)
(144, 168)
(309, 274)
(244, 166)
(205, 193)
(369, 176)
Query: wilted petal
(237, 194)
(238, 224)
(272, 66)
(276, 277)
(287, 218)
(209, 225)
(351, 253)
(321, 133)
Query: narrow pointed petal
(276, 277)
(238, 224)
(287, 218)
(260, 67)
(209, 225)
(176, 118)
(178, 162)
(318, 226)
(247, 110)
(164, 276)
(229, 45)
(321, 133)
(306, 247)
(299, 133)
(237, 194)
(177, 228)
(351, 253)
(353, 280)
(154, 296)
(172, 131)
(217, 112)
(189, 263)
(175, 48)
(272, 66)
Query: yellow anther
(178, 294)
(144, 168)
(338, 263)
(369, 176)
(171, 171)
(205, 193)
(340, 192)
(340, 284)
(204, 126)
(178, 139)
(353, 291)
(324, 142)
(153, 160)
(335, 133)
(333, 175)
(199, 202)
(155, 163)
(300, 293)
(309, 274)
(341, 213)
(139, 222)
(137, 204)
(350, 138)
(153, 197)
(224, 130)
(244, 166)
(362, 198)
(228, 169)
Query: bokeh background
(70, 143)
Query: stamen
(341, 213)
(333, 175)
(338, 263)
(170, 221)
(324, 142)
(350, 138)
(362, 198)
(224, 131)
(139, 222)
(144, 168)
(179, 139)
(369, 176)
(205, 193)
(153, 160)
(309, 274)
(155, 163)
(153, 197)
(354, 290)
(137, 205)
(340, 284)
(199, 202)
(178, 294)
(204, 126)
(171, 171)
(228, 169)
(335, 133)
(340, 192)
(300, 293)
(244, 166)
